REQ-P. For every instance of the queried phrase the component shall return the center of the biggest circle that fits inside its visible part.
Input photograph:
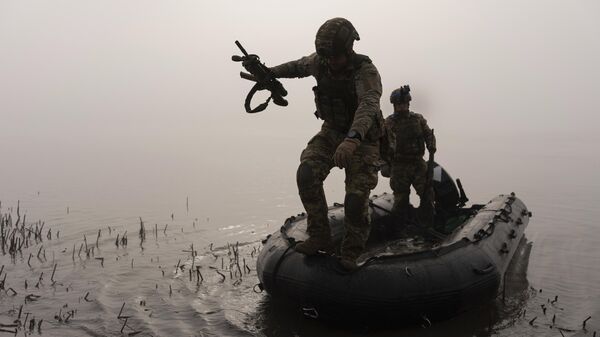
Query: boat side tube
(466, 269)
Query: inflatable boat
(404, 272)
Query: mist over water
(111, 111)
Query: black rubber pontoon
(403, 278)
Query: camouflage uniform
(345, 101)
(408, 133)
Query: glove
(431, 149)
(344, 152)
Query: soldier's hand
(344, 152)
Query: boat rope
(280, 261)
(290, 240)
(502, 214)
(426, 321)
(483, 233)
(310, 312)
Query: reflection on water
(187, 278)
(552, 284)
(109, 117)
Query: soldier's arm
(368, 91)
(303, 67)
(388, 142)
(428, 135)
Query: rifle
(462, 197)
(258, 72)
(430, 165)
(426, 210)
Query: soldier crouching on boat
(408, 134)
(347, 97)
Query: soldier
(347, 98)
(408, 134)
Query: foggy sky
(113, 88)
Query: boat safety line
(260, 287)
(426, 321)
(280, 261)
(310, 312)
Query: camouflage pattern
(363, 85)
(401, 95)
(408, 133)
(316, 162)
(404, 174)
(368, 120)
(335, 36)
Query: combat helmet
(401, 95)
(336, 36)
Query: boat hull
(464, 270)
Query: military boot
(315, 244)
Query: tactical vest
(409, 136)
(336, 99)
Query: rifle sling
(258, 86)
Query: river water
(151, 278)
(114, 114)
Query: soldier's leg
(400, 184)
(361, 178)
(315, 163)
(426, 211)
(420, 183)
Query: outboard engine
(450, 200)
(448, 195)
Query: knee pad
(305, 176)
(354, 205)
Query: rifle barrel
(241, 48)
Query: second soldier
(408, 135)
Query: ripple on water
(564, 262)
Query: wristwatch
(354, 134)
